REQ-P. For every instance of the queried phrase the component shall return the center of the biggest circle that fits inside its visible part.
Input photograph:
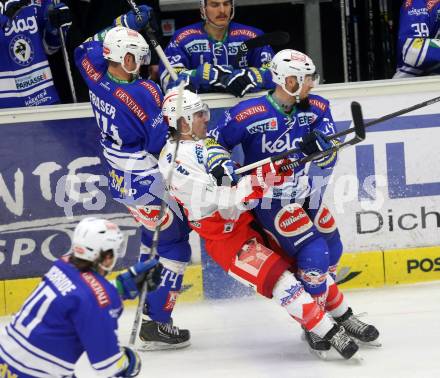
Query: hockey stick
(66, 61)
(359, 131)
(344, 132)
(275, 38)
(344, 40)
(156, 235)
(153, 40)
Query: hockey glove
(129, 283)
(210, 75)
(131, 21)
(241, 81)
(184, 76)
(134, 363)
(316, 141)
(219, 164)
(273, 173)
(58, 16)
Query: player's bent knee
(290, 294)
(258, 267)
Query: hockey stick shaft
(342, 133)
(153, 40)
(156, 235)
(67, 62)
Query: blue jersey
(191, 46)
(419, 38)
(25, 75)
(263, 129)
(128, 113)
(70, 312)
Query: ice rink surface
(254, 338)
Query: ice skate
(364, 333)
(160, 336)
(340, 341)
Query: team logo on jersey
(187, 33)
(148, 216)
(249, 112)
(228, 227)
(28, 24)
(244, 32)
(268, 124)
(292, 293)
(171, 300)
(278, 145)
(21, 50)
(292, 220)
(324, 221)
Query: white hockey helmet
(191, 103)
(288, 63)
(92, 236)
(203, 11)
(119, 41)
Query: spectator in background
(205, 54)
(92, 16)
(29, 31)
(419, 39)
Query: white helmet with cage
(203, 11)
(288, 63)
(119, 41)
(190, 103)
(92, 236)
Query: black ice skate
(339, 340)
(365, 333)
(315, 342)
(160, 336)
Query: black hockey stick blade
(275, 38)
(358, 120)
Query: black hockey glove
(59, 16)
(239, 82)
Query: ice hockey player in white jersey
(75, 309)
(219, 214)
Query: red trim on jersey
(97, 289)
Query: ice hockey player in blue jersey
(418, 43)
(75, 309)
(205, 54)
(28, 33)
(128, 112)
(293, 214)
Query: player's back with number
(39, 339)
(133, 123)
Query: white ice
(252, 337)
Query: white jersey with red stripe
(213, 211)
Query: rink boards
(384, 193)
